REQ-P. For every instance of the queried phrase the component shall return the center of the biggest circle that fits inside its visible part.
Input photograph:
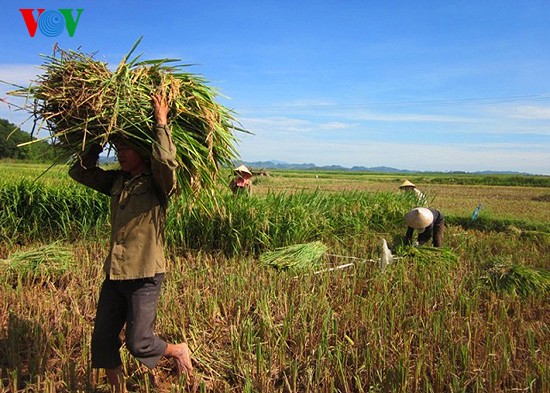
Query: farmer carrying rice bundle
(169, 134)
(135, 265)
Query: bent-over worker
(429, 223)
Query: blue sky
(425, 85)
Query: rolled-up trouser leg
(110, 318)
(142, 299)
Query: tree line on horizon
(11, 136)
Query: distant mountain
(309, 166)
(275, 164)
(500, 173)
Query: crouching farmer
(429, 223)
(135, 265)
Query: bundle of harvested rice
(295, 257)
(442, 257)
(81, 102)
(502, 275)
(48, 260)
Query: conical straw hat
(243, 169)
(407, 183)
(419, 218)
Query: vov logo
(51, 23)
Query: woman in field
(409, 187)
(242, 181)
(135, 265)
(429, 223)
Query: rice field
(471, 317)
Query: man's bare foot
(180, 353)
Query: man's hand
(160, 105)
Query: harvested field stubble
(417, 326)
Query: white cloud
(530, 112)
(532, 158)
(280, 126)
(18, 74)
(335, 125)
(410, 117)
(276, 124)
(456, 119)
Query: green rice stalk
(47, 260)
(432, 255)
(81, 102)
(295, 257)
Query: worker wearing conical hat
(243, 170)
(429, 223)
(408, 186)
(242, 181)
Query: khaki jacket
(138, 208)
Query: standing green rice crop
(81, 102)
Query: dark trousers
(435, 233)
(130, 302)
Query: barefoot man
(135, 265)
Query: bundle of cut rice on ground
(81, 102)
(295, 257)
(430, 255)
(502, 275)
(48, 260)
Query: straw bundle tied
(81, 102)
(295, 257)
